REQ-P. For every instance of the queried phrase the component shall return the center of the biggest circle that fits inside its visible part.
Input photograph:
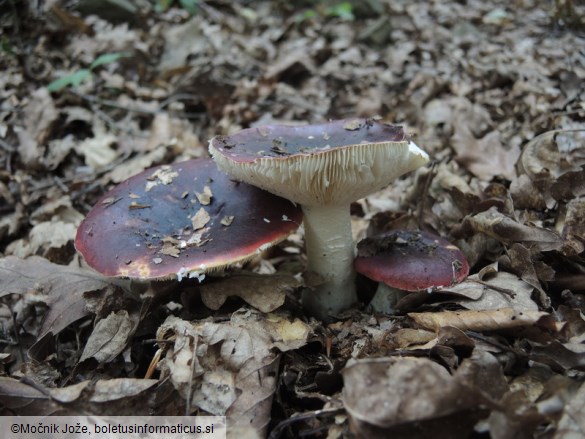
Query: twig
(16, 336)
(277, 431)
(190, 389)
(505, 291)
(133, 109)
(7, 146)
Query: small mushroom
(405, 261)
(174, 233)
(324, 168)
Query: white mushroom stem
(386, 298)
(330, 252)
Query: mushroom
(181, 221)
(324, 168)
(405, 260)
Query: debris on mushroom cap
(333, 162)
(175, 233)
(411, 260)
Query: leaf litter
(494, 93)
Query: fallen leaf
(486, 158)
(98, 151)
(574, 225)
(45, 236)
(264, 292)
(486, 320)
(408, 397)
(229, 368)
(500, 227)
(119, 388)
(120, 396)
(109, 337)
(60, 287)
(40, 114)
(572, 422)
(496, 291)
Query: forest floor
(494, 91)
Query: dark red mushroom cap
(411, 260)
(283, 141)
(178, 219)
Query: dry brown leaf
(387, 397)
(46, 235)
(526, 195)
(110, 336)
(230, 368)
(98, 151)
(60, 287)
(540, 157)
(58, 150)
(504, 229)
(264, 292)
(121, 396)
(21, 398)
(519, 260)
(486, 158)
(119, 388)
(408, 337)
(574, 224)
(572, 422)
(40, 114)
(495, 291)
(488, 320)
(136, 165)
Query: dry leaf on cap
(200, 219)
(264, 292)
(205, 196)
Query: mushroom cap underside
(173, 220)
(331, 163)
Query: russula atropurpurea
(181, 220)
(404, 261)
(323, 167)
